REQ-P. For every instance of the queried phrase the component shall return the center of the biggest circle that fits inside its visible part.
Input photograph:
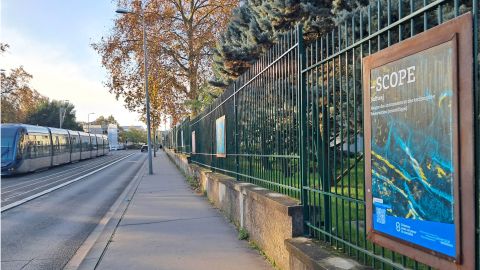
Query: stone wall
(273, 221)
(269, 217)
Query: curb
(89, 254)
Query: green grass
(254, 246)
(242, 234)
(193, 182)
(343, 204)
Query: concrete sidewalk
(168, 226)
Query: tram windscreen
(8, 143)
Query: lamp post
(63, 111)
(147, 97)
(88, 121)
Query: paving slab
(168, 226)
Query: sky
(51, 40)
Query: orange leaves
(181, 35)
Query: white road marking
(33, 178)
(68, 172)
(5, 186)
(17, 203)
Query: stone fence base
(271, 219)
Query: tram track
(32, 178)
(57, 175)
(41, 183)
(44, 229)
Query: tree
(17, 97)
(239, 46)
(135, 136)
(280, 16)
(4, 47)
(257, 24)
(48, 114)
(181, 37)
(101, 120)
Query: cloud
(62, 74)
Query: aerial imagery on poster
(220, 136)
(412, 149)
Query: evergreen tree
(280, 16)
(255, 26)
(48, 114)
(239, 46)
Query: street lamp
(88, 121)
(63, 111)
(147, 98)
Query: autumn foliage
(181, 35)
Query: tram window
(28, 150)
(32, 147)
(61, 144)
(20, 146)
(46, 146)
(38, 149)
(56, 144)
(73, 142)
(77, 144)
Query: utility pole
(147, 97)
(62, 111)
(88, 121)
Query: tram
(28, 148)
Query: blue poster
(220, 136)
(412, 149)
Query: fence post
(189, 137)
(302, 91)
(235, 137)
(476, 94)
(326, 174)
(213, 157)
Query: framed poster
(193, 142)
(220, 137)
(181, 138)
(415, 131)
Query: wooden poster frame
(458, 30)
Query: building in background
(95, 129)
(113, 136)
(111, 130)
(127, 128)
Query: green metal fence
(183, 138)
(294, 121)
(334, 191)
(261, 123)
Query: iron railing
(261, 123)
(294, 121)
(334, 191)
(183, 137)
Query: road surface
(45, 232)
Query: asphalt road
(45, 233)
